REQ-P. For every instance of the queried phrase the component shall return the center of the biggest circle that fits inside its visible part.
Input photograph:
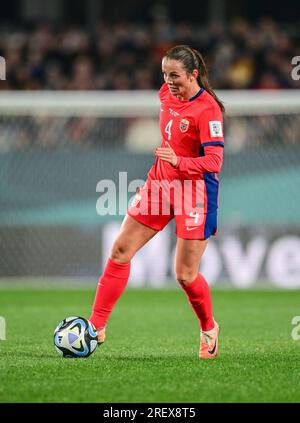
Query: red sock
(198, 294)
(110, 287)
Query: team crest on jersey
(184, 125)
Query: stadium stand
(125, 56)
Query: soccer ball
(75, 337)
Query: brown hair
(191, 60)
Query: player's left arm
(211, 162)
(210, 127)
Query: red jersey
(194, 129)
(188, 126)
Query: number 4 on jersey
(168, 128)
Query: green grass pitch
(151, 352)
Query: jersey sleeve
(210, 126)
(211, 162)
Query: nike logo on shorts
(191, 229)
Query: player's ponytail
(192, 59)
(203, 80)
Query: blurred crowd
(139, 135)
(125, 56)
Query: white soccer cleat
(101, 336)
(209, 342)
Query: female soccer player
(182, 184)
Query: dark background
(83, 12)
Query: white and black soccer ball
(75, 337)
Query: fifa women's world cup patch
(215, 127)
(184, 125)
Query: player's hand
(167, 154)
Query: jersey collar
(197, 95)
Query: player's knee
(185, 277)
(120, 253)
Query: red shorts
(154, 206)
